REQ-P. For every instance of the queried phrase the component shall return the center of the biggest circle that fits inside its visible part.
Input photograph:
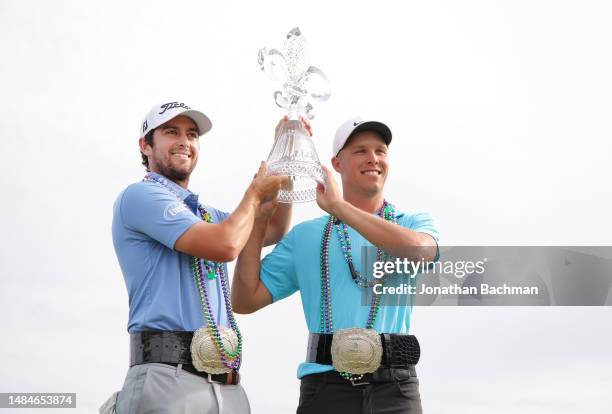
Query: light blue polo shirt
(294, 264)
(147, 221)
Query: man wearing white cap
(185, 345)
(360, 358)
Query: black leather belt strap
(399, 351)
(172, 348)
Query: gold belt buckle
(204, 353)
(356, 351)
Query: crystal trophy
(299, 86)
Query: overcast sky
(500, 112)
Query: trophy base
(304, 177)
(303, 196)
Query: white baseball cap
(163, 112)
(355, 125)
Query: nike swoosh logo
(356, 123)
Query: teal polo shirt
(147, 221)
(294, 265)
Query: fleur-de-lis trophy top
(301, 84)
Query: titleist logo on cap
(172, 105)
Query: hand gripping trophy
(300, 84)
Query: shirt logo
(174, 209)
(172, 105)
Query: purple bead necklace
(212, 269)
(386, 212)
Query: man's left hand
(266, 210)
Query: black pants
(388, 391)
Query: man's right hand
(266, 188)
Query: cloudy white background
(501, 119)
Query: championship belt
(356, 350)
(204, 353)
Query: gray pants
(160, 388)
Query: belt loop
(387, 348)
(179, 370)
(322, 338)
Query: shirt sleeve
(219, 216)
(222, 215)
(423, 223)
(278, 269)
(155, 212)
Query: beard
(174, 173)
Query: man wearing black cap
(360, 359)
